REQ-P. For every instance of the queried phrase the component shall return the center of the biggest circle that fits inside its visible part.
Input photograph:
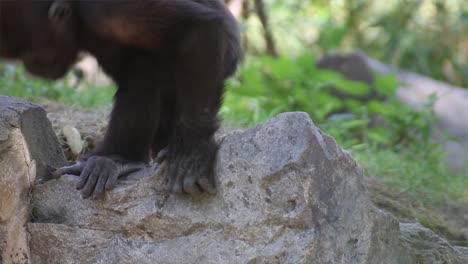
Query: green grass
(15, 82)
(424, 178)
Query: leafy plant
(267, 86)
(391, 140)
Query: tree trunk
(262, 14)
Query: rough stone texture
(427, 247)
(31, 121)
(27, 145)
(287, 194)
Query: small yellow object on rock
(73, 137)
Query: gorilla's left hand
(98, 174)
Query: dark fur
(169, 58)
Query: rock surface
(29, 120)
(27, 145)
(287, 194)
(427, 247)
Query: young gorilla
(169, 59)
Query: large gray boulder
(287, 194)
(27, 145)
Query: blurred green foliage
(426, 36)
(267, 86)
(14, 81)
(392, 141)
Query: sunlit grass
(424, 178)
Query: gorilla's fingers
(208, 185)
(73, 170)
(190, 184)
(88, 189)
(84, 177)
(162, 156)
(131, 167)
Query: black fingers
(99, 174)
(103, 178)
(73, 170)
(208, 184)
(94, 177)
(109, 175)
(177, 176)
(190, 182)
(90, 185)
(162, 156)
(190, 185)
(111, 182)
(85, 173)
(132, 167)
(174, 179)
(191, 170)
(100, 187)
